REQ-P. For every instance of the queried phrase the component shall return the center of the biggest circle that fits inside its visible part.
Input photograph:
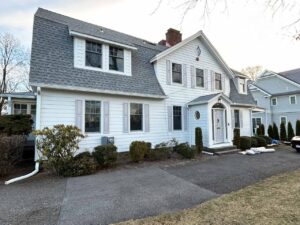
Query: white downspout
(36, 157)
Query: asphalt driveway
(108, 197)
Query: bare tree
(13, 59)
(275, 7)
(252, 71)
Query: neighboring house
(111, 84)
(279, 94)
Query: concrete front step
(222, 150)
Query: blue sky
(245, 35)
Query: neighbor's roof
(293, 75)
(29, 95)
(52, 63)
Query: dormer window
(242, 85)
(93, 54)
(116, 59)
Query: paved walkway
(118, 195)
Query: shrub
(236, 137)
(275, 132)
(138, 150)
(261, 142)
(81, 164)
(198, 139)
(105, 155)
(267, 139)
(291, 133)
(185, 150)
(162, 153)
(15, 124)
(283, 136)
(58, 145)
(270, 131)
(10, 152)
(245, 143)
(298, 128)
(254, 141)
(261, 130)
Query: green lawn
(275, 200)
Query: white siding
(79, 58)
(246, 129)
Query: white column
(9, 106)
(38, 117)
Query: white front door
(218, 125)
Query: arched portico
(219, 123)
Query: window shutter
(184, 75)
(168, 72)
(206, 79)
(193, 77)
(232, 119)
(78, 114)
(185, 118)
(223, 82)
(212, 75)
(125, 117)
(147, 120)
(106, 117)
(241, 118)
(170, 118)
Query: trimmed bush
(283, 136)
(162, 153)
(261, 130)
(298, 128)
(245, 143)
(57, 146)
(185, 150)
(198, 139)
(254, 141)
(270, 131)
(236, 137)
(81, 164)
(15, 124)
(267, 139)
(291, 133)
(10, 152)
(275, 132)
(138, 150)
(105, 155)
(261, 142)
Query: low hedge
(80, 165)
(15, 124)
(245, 142)
(105, 155)
(185, 150)
(254, 141)
(161, 153)
(138, 150)
(261, 141)
(267, 139)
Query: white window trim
(28, 109)
(272, 101)
(199, 87)
(175, 83)
(290, 97)
(239, 118)
(143, 119)
(245, 83)
(182, 118)
(101, 117)
(222, 88)
(286, 121)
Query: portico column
(9, 106)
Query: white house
(111, 84)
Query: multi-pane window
(274, 101)
(199, 78)
(256, 122)
(236, 118)
(20, 109)
(176, 73)
(93, 54)
(92, 116)
(177, 118)
(218, 81)
(293, 100)
(242, 85)
(116, 59)
(33, 109)
(136, 117)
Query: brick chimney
(173, 37)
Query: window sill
(102, 70)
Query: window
(274, 101)
(92, 116)
(283, 119)
(293, 100)
(93, 54)
(242, 84)
(256, 122)
(116, 59)
(218, 81)
(236, 118)
(177, 118)
(199, 78)
(136, 117)
(20, 109)
(33, 109)
(176, 73)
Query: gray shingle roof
(204, 98)
(293, 75)
(240, 99)
(52, 57)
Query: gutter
(36, 170)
